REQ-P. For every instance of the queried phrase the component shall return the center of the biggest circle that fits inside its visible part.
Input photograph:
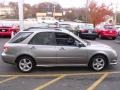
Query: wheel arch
(106, 58)
(24, 55)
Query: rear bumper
(8, 58)
(5, 33)
(109, 35)
(88, 35)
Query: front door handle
(61, 48)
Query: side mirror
(79, 44)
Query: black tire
(113, 38)
(93, 62)
(22, 65)
(93, 38)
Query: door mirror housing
(79, 44)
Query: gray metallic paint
(58, 55)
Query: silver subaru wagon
(55, 47)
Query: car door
(68, 52)
(42, 46)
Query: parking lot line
(50, 75)
(8, 79)
(55, 75)
(32, 75)
(50, 82)
(96, 83)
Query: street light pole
(21, 16)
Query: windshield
(109, 27)
(89, 27)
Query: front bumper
(113, 62)
(5, 33)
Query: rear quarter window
(21, 36)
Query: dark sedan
(86, 31)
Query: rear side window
(20, 37)
(43, 38)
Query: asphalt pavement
(61, 78)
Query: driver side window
(64, 39)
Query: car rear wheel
(25, 64)
(113, 38)
(98, 63)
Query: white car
(47, 20)
(118, 29)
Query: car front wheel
(98, 63)
(25, 64)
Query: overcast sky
(70, 3)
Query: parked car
(67, 27)
(51, 47)
(86, 31)
(73, 25)
(107, 31)
(118, 29)
(7, 30)
(47, 20)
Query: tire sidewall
(27, 57)
(113, 38)
(92, 60)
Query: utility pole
(115, 15)
(54, 11)
(21, 16)
(87, 1)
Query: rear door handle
(32, 47)
(61, 48)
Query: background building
(4, 11)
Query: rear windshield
(20, 37)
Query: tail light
(11, 30)
(6, 48)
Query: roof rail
(55, 28)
